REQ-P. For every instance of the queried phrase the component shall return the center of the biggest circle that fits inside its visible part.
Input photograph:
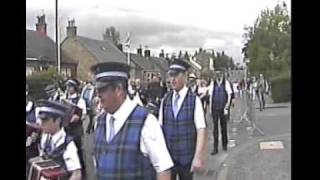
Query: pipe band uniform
(128, 141)
(75, 125)
(220, 98)
(58, 154)
(183, 122)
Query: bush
(281, 88)
(39, 80)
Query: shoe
(225, 148)
(214, 152)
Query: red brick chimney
(41, 26)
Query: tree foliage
(268, 42)
(112, 34)
(39, 80)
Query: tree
(180, 54)
(39, 80)
(113, 35)
(268, 42)
(186, 55)
(222, 60)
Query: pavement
(244, 159)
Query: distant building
(149, 66)
(87, 52)
(41, 52)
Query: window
(63, 71)
(68, 72)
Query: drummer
(55, 143)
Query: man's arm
(154, 147)
(71, 159)
(75, 175)
(229, 92)
(201, 145)
(160, 118)
(201, 148)
(164, 175)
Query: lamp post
(57, 40)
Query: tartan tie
(175, 105)
(111, 128)
(47, 147)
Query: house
(149, 66)
(163, 65)
(41, 52)
(87, 52)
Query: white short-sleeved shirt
(152, 142)
(81, 103)
(70, 155)
(199, 117)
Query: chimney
(147, 52)
(139, 51)
(41, 25)
(71, 28)
(161, 55)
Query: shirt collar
(75, 95)
(182, 92)
(219, 81)
(58, 136)
(124, 110)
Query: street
(245, 161)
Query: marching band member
(75, 127)
(129, 143)
(55, 142)
(183, 123)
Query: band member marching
(183, 123)
(56, 143)
(129, 143)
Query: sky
(171, 25)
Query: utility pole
(57, 41)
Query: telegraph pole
(57, 40)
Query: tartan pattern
(57, 153)
(121, 158)
(219, 96)
(74, 100)
(180, 132)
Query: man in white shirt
(192, 83)
(220, 98)
(183, 122)
(55, 143)
(129, 143)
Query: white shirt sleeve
(199, 117)
(210, 89)
(160, 118)
(154, 146)
(71, 158)
(82, 104)
(228, 88)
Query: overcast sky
(160, 24)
